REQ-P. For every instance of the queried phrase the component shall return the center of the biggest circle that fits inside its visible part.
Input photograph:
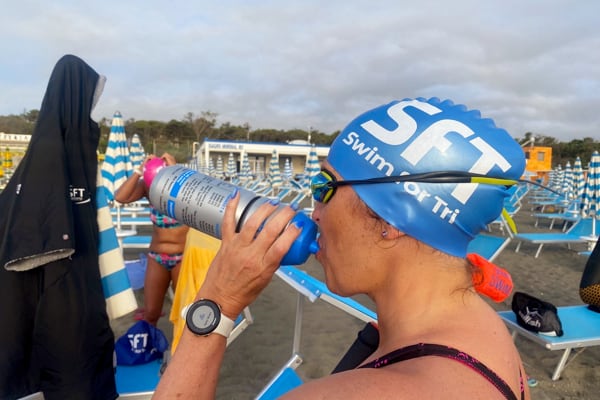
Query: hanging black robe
(55, 335)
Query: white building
(14, 141)
(259, 154)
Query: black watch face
(203, 317)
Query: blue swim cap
(428, 135)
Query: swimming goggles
(324, 184)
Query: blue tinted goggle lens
(322, 186)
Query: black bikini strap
(427, 349)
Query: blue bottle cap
(305, 244)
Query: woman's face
(346, 240)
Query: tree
(178, 131)
(203, 125)
(31, 116)
(21, 124)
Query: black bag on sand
(536, 315)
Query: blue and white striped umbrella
(274, 170)
(591, 195)
(312, 166)
(220, 171)
(136, 151)
(120, 299)
(567, 183)
(245, 171)
(203, 168)
(578, 178)
(556, 178)
(231, 166)
(116, 167)
(211, 168)
(287, 170)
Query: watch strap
(223, 328)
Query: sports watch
(204, 317)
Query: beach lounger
(138, 382)
(314, 289)
(570, 214)
(488, 246)
(311, 288)
(512, 205)
(119, 223)
(285, 380)
(581, 328)
(136, 242)
(576, 234)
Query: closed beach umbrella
(578, 179)
(116, 167)
(556, 178)
(245, 171)
(203, 168)
(591, 194)
(567, 183)
(231, 166)
(220, 172)
(211, 167)
(136, 151)
(312, 166)
(287, 170)
(274, 171)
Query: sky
(531, 66)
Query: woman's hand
(247, 260)
(169, 159)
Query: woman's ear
(389, 232)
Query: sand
(254, 357)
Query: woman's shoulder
(418, 378)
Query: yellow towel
(200, 250)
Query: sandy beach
(254, 357)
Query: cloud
(531, 68)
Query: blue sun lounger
(581, 328)
(576, 234)
(136, 242)
(313, 289)
(570, 214)
(488, 246)
(138, 382)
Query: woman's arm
(134, 187)
(131, 190)
(242, 268)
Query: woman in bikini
(166, 247)
(442, 174)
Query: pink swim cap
(151, 168)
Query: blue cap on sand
(428, 135)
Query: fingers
(247, 260)
(169, 159)
(229, 222)
(148, 158)
(264, 228)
